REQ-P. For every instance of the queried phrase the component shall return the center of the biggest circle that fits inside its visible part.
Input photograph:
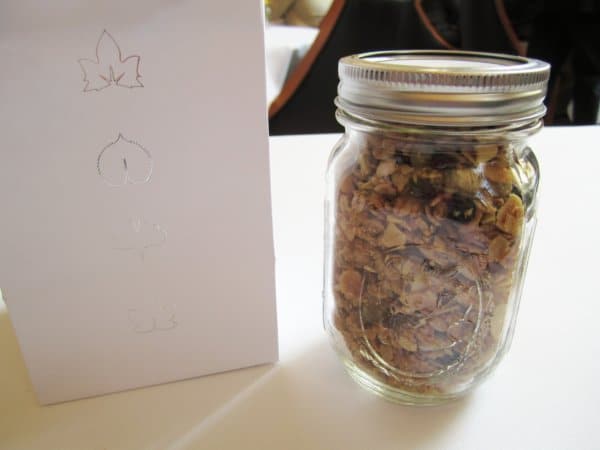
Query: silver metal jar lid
(445, 88)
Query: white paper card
(136, 242)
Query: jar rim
(510, 131)
(442, 87)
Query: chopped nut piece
(406, 340)
(393, 237)
(385, 188)
(386, 168)
(463, 180)
(498, 174)
(386, 150)
(401, 177)
(350, 283)
(510, 216)
(346, 185)
(486, 152)
(499, 248)
(497, 324)
(364, 165)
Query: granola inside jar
(430, 213)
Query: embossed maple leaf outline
(110, 67)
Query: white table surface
(544, 395)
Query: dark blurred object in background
(565, 34)
(351, 26)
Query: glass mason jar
(430, 213)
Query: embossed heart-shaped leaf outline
(110, 67)
(127, 178)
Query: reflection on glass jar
(430, 214)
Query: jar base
(396, 395)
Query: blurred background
(306, 38)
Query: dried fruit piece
(461, 209)
(426, 183)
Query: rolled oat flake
(430, 213)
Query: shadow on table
(148, 418)
(304, 402)
(14, 380)
(309, 402)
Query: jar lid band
(445, 88)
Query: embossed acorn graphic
(138, 236)
(144, 320)
(110, 67)
(124, 162)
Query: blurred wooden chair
(305, 103)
